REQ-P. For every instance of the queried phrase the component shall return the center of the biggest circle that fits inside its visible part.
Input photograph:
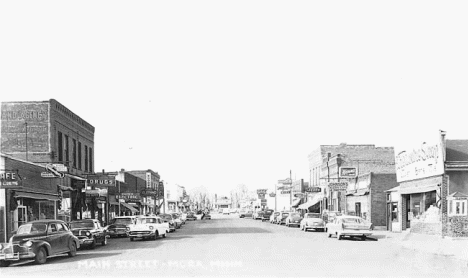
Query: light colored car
(273, 216)
(167, 218)
(312, 221)
(177, 220)
(352, 226)
(147, 227)
(245, 214)
(183, 217)
(281, 219)
(226, 211)
(293, 219)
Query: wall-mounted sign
(338, 186)
(261, 191)
(148, 192)
(286, 192)
(131, 197)
(348, 172)
(299, 195)
(261, 195)
(419, 162)
(96, 192)
(313, 189)
(48, 175)
(8, 179)
(50, 168)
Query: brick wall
(379, 184)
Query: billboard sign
(348, 172)
(419, 162)
(338, 186)
(102, 180)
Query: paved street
(230, 246)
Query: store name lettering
(100, 182)
(9, 176)
(425, 153)
(24, 114)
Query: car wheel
(131, 239)
(329, 235)
(41, 256)
(104, 242)
(72, 247)
(93, 245)
(363, 237)
(164, 235)
(156, 235)
(4, 263)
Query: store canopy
(296, 202)
(36, 196)
(130, 207)
(311, 202)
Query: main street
(230, 246)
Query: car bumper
(117, 233)
(16, 256)
(86, 241)
(141, 234)
(355, 233)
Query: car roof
(84, 220)
(46, 221)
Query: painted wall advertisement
(25, 121)
(419, 162)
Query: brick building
(325, 163)
(154, 195)
(46, 133)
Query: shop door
(357, 207)
(389, 216)
(20, 217)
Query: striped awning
(130, 207)
(311, 202)
(37, 196)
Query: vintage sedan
(281, 219)
(38, 240)
(273, 216)
(167, 218)
(312, 221)
(183, 217)
(191, 216)
(177, 220)
(244, 214)
(293, 219)
(147, 227)
(118, 226)
(351, 226)
(207, 216)
(89, 232)
(266, 214)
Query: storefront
(25, 194)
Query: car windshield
(124, 221)
(146, 220)
(82, 224)
(313, 215)
(295, 214)
(33, 228)
(352, 220)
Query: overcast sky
(221, 93)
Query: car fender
(37, 244)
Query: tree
(199, 196)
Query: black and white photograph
(233, 138)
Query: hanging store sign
(299, 195)
(348, 172)
(338, 186)
(129, 197)
(313, 189)
(272, 194)
(148, 192)
(286, 192)
(103, 180)
(50, 168)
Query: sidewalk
(447, 246)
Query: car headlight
(88, 233)
(28, 243)
(151, 227)
(128, 229)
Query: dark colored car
(266, 215)
(38, 240)
(207, 216)
(293, 219)
(118, 226)
(89, 232)
(191, 216)
(167, 218)
(259, 215)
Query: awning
(75, 177)
(36, 196)
(130, 207)
(311, 202)
(295, 203)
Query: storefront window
(415, 205)
(430, 200)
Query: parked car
(233, 210)
(258, 215)
(167, 218)
(207, 216)
(226, 211)
(312, 221)
(89, 232)
(177, 220)
(246, 214)
(191, 216)
(118, 226)
(329, 216)
(293, 219)
(38, 240)
(282, 218)
(273, 216)
(266, 214)
(183, 217)
(352, 226)
(147, 227)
